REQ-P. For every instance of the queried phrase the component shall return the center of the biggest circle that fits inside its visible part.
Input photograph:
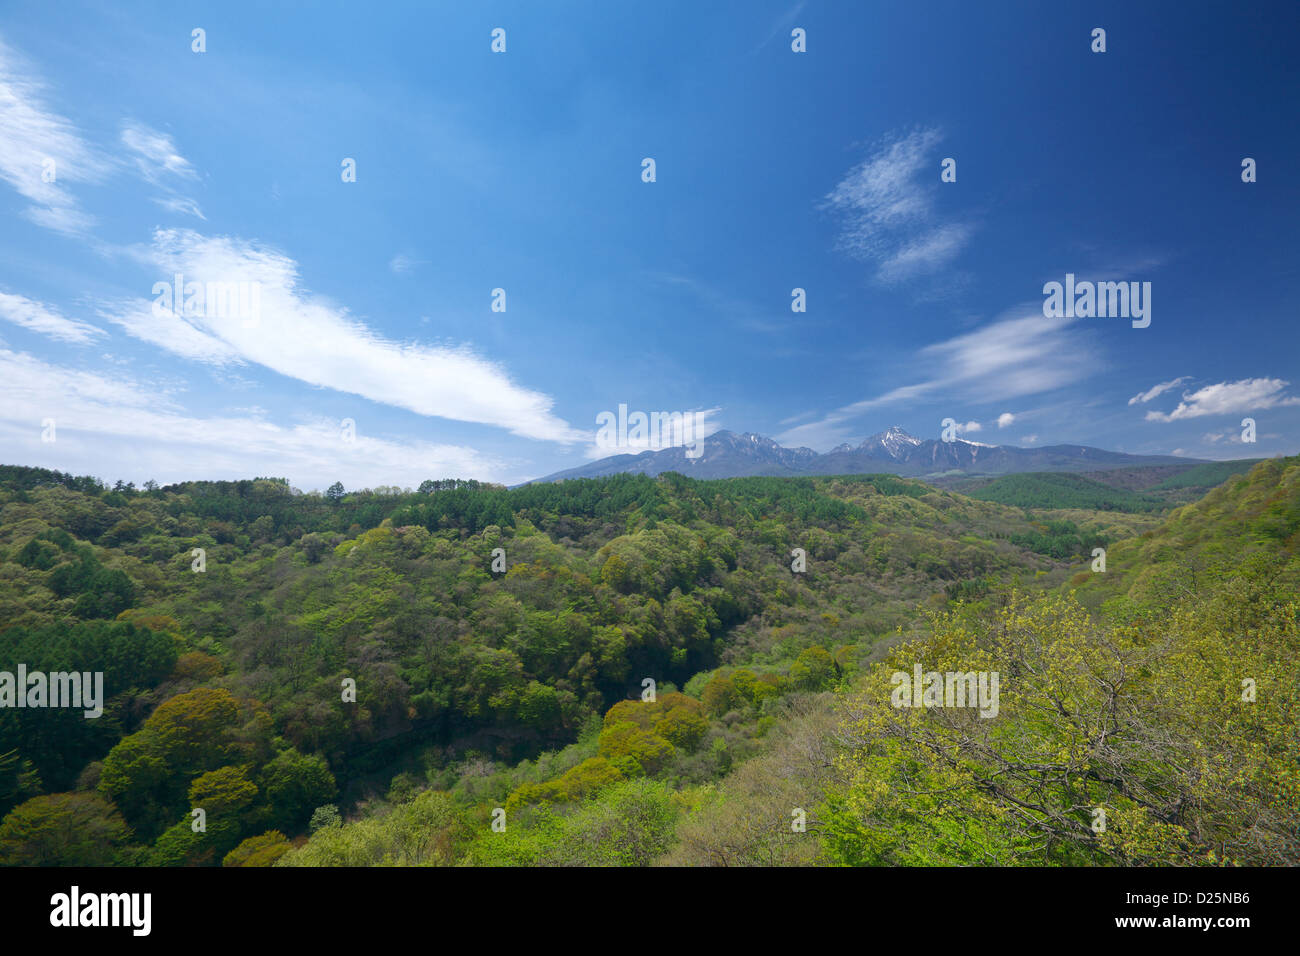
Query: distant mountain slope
(1246, 518)
(727, 454)
(1141, 477)
(1208, 475)
(1063, 490)
(1172, 484)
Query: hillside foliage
(651, 671)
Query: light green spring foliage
(1151, 723)
(263, 850)
(628, 823)
(1144, 714)
(1198, 544)
(786, 750)
(427, 831)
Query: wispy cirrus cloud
(887, 204)
(41, 151)
(696, 424)
(300, 335)
(161, 164)
(1228, 398)
(168, 330)
(155, 154)
(182, 205)
(926, 254)
(1230, 436)
(1155, 391)
(46, 320)
(311, 339)
(1019, 353)
(96, 415)
(401, 263)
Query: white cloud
(156, 156)
(703, 425)
(1231, 435)
(307, 337)
(888, 212)
(969, 428)
(41, 152)
(1005, 419)
(161, 164)
(1228, 398)
(401, 264)
(1030, 439)
(96, 416)
(182, 205)
(926, 254)
(1156, 390)
(42, 318)
(32, 137)
(169, 331)
(1019, 353)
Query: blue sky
(522, 171)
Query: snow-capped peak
(894, 440)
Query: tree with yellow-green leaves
(222, 795)
(263, 850)
(632, 750)
(63, 829)
(147, 773)
(1173, 742)
(428, 831)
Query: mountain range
(729, 454)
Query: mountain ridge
(728, 454)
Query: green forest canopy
(521, 691)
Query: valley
(651, 679)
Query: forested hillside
(636, 671)
(1056, 490)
